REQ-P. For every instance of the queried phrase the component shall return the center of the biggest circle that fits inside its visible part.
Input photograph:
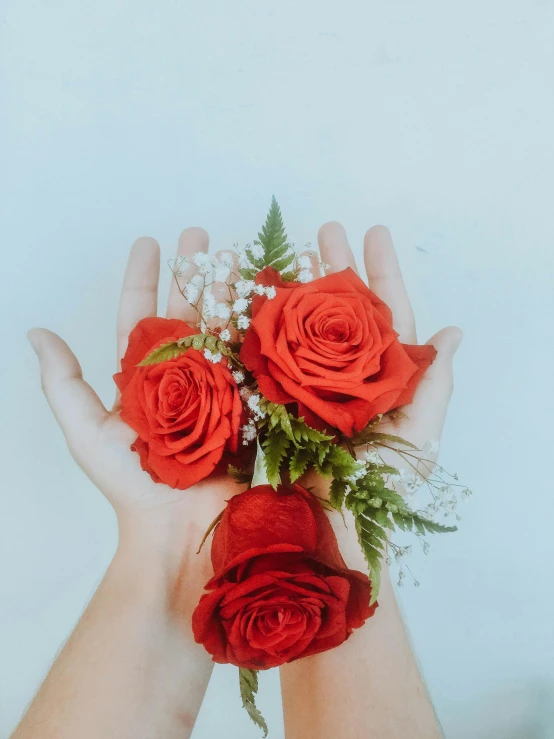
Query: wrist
(158, 561)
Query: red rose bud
(329, 347)
(186, 411)
(281, 589)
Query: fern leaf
(248, 681)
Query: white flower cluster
(372, 456)
(359, 472)
(305, 266)
(249, 432)
(214, 357)
(238, 376)
(410, 481)
(431, 447)
(254, 405)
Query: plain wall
(122, 118)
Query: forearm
(368, 687)
(131, 667)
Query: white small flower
(245, 393)
(358, 473)
(410, 481)
(222, 310)
(257, 251)
(244, 260)
(240, 305)
(271, 292)
(373, 457)
(214, 357)
(238, 376)
(431, 447)
(203, 262)
(466, 493)
(254, 405)
(249, 433)
(243, 288)
(226, 258)
(225, 335)
(259, 290)
(208, 309)
(198, 280)
(243, 322)
(305, 276)
(192, 293)
(222, 272)
(304, 262)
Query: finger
(309, 262)
(427, 412)
(139, 294)
(191, 241)
(385, 279)
(77, 408)
(334, 247)
(223, 294)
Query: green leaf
(239, 475)
(435, 528)
(273, 239)
(367, 436)
(337, 494)
(275, 447)
(163, 353)
(248, 681)
(298, 463)
(373, 541)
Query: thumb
(77, 408)
(427, 411)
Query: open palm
(100, 441)
(423, 419)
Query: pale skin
(371, 686)
(131, 667)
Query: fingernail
(34, 340)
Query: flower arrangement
(283, 375)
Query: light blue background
(123, 118)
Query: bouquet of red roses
(283, 375)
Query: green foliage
(198, 341)
(377, 509)
(273, 239)
(163, 353)
(275, 447)
(238, 475)
(310, 448)
(368, 436)
(248, 680)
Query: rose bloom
(329, 347)
(186, 411)
(281, 589)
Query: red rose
(186, 411)
(329, 346)
(281, 589)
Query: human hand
(171, 522)
(422, 421)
